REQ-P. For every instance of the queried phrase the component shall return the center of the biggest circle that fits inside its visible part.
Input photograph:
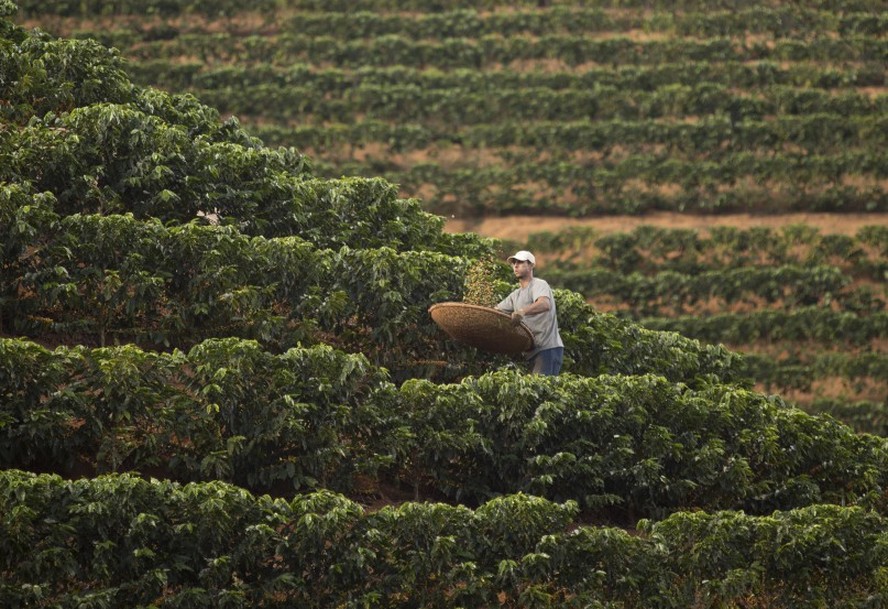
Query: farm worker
(534, 304)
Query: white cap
(522, 255)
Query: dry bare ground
(518, 228)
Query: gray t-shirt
(544, 326)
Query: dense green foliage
(115, 278)
(123, 540)
(315, 418)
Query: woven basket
(482, 327)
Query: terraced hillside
(255, 410)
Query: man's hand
(517, 318)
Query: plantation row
(784, 22)
(712, 137)
(801, 372)
(650, 249)
(481, 106)
(661, 5)
(801, 324)
(743, 182)
(121, 540)
(494, 50)
(626, 446)
(182, 75)
(115, 278)
(801, 357)
(787, 286)
(226, 8)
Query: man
(534, 304)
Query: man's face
(521, 268)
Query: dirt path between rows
(518, 228)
